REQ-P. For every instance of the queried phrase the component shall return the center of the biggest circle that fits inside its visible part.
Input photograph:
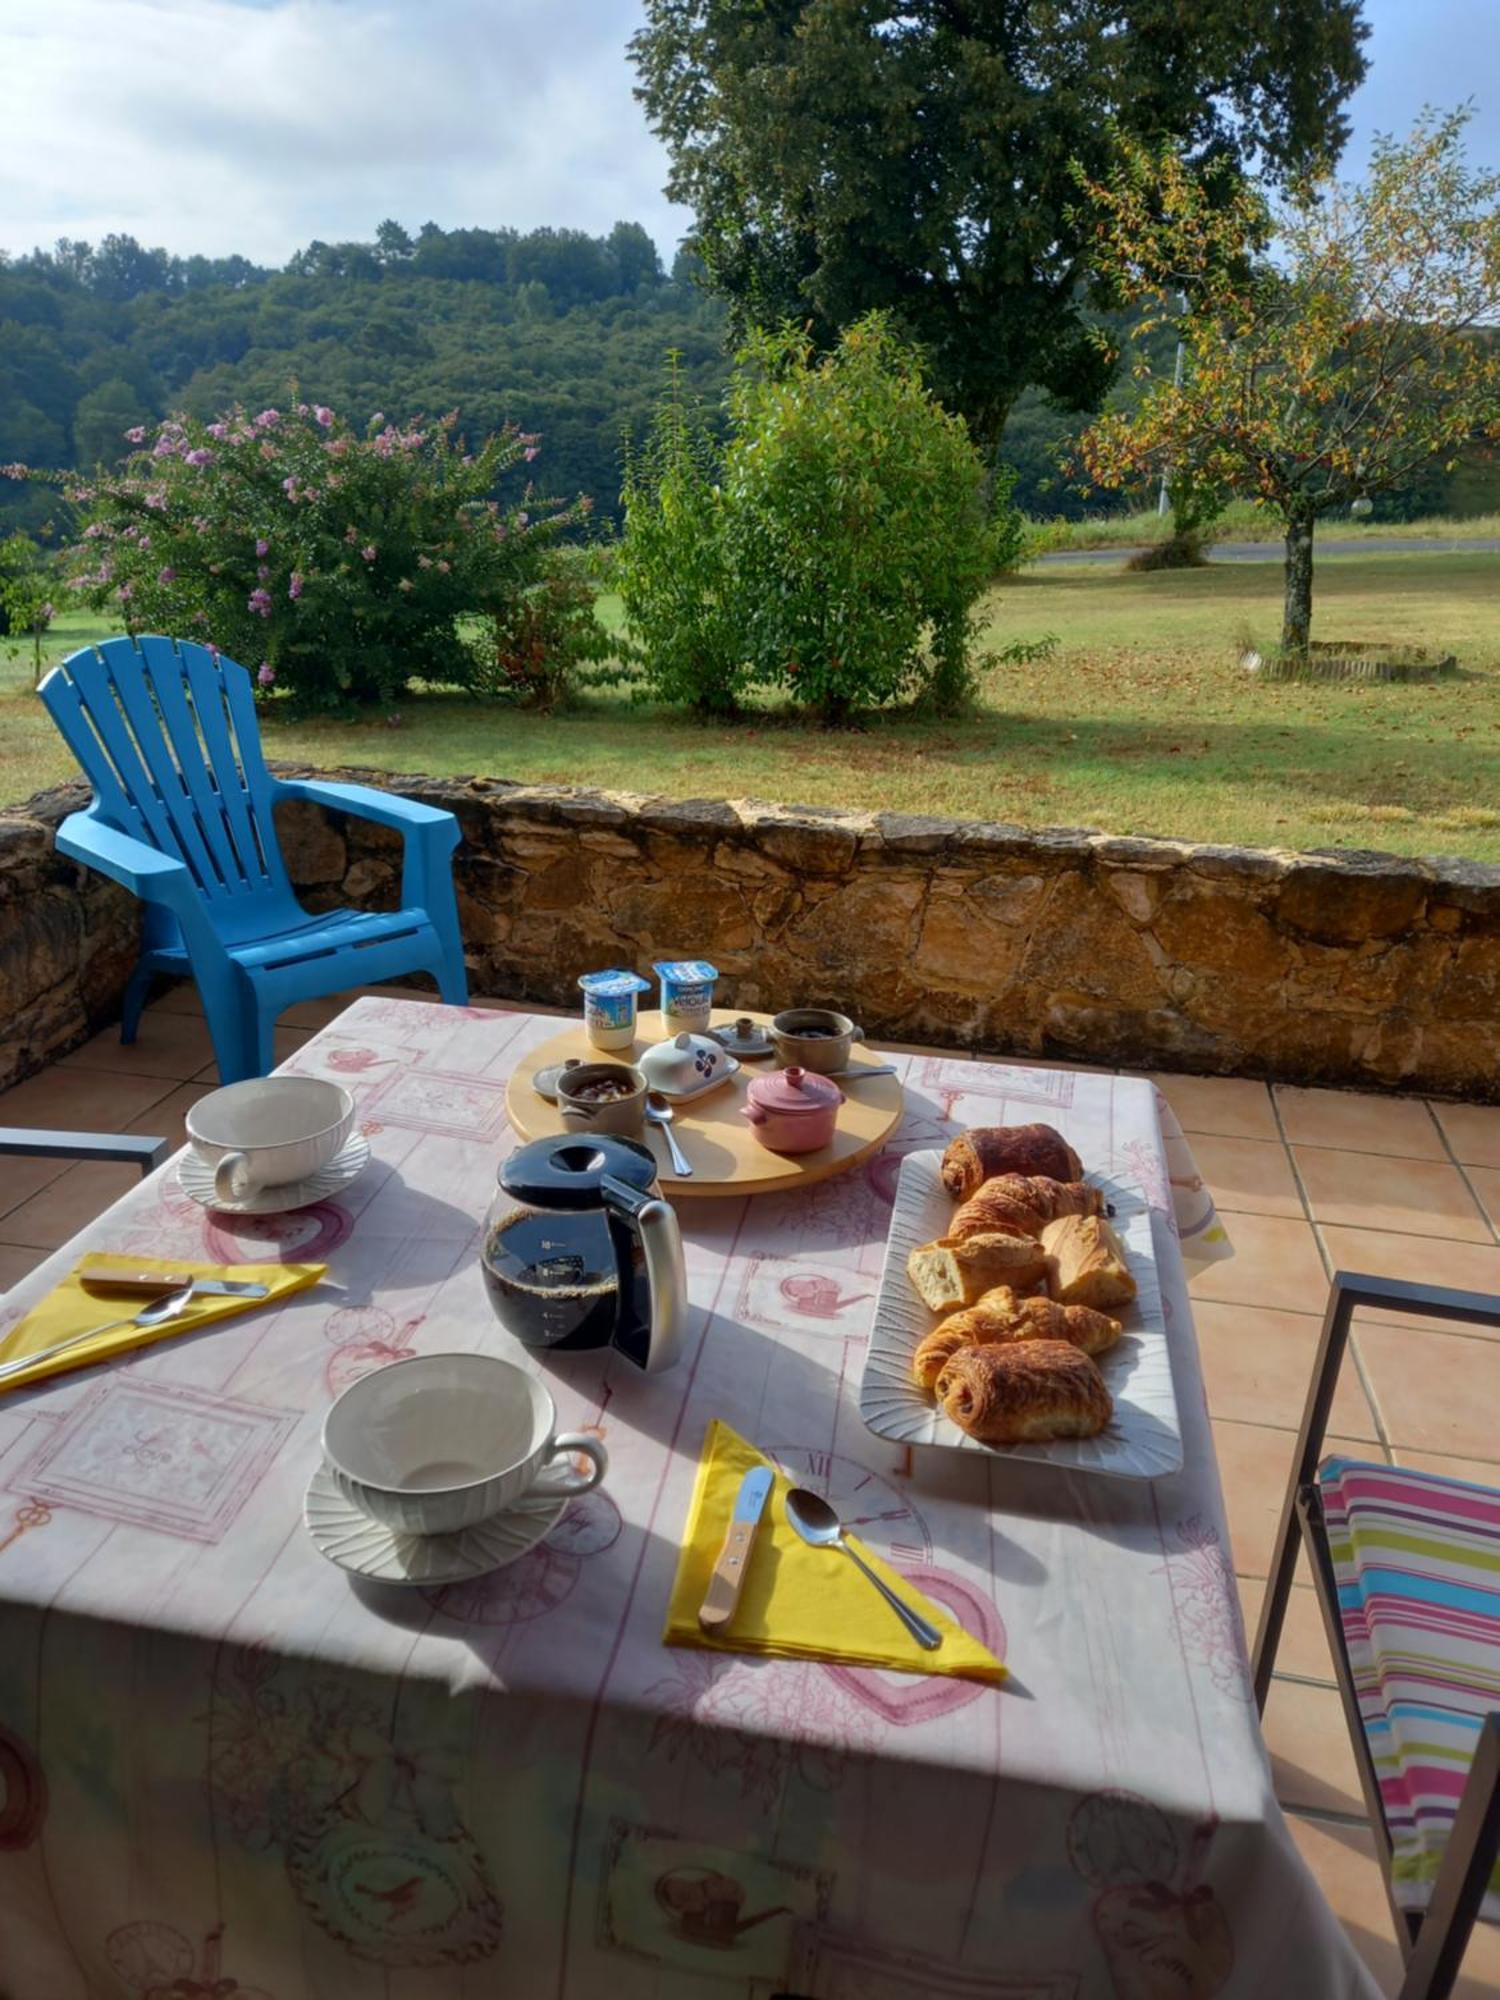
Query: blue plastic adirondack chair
(182, 815)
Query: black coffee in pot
(552, 1278)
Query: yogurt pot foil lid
(612, 985)
(686, 972)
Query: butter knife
(724, 1585)
(126, 1279)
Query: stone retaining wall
(1363, 969)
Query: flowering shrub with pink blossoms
(337, 567)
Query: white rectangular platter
(1144, 1440)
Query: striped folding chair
(1406, 1569)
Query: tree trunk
(1296, 623)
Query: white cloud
(207, 125)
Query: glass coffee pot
(580, 1250)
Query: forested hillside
(554, 330)
(557, 331)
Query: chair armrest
(20, 1142)
(144, 870)
(366, 802)
(430, 834)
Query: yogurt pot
(609, 1003)
(687, 994)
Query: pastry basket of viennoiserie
(1020, 1310)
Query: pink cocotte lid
(794, 1091)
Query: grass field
(1140, 722)
(1243, 521)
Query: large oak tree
(916, 155)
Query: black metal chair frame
(17, 1141)
(1432, 1941)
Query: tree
(913, 155)
(1335, 344)
(101, 420)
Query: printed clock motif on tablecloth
(157, 1455)
(441, 1101)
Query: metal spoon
(659, 1112)
(816, 1522)
(153, 1315)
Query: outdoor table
(226, 1765)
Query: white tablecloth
(226, 1766)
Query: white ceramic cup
(269, 1131)
(437, 1443)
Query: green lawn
(1140, 722)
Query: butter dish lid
(794, 1091)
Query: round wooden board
(713, 1132)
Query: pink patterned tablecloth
(222, 1765)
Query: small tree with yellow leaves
(1334, 344)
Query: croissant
(1024, 1390)
(990, 1150)
(949, 1275)
(1024, 1202)
(1000, 1316)
(1085, 1262)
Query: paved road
(1243, 552)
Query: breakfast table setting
(673, 1502)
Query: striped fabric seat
(1417, 1558)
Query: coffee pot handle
(666, 1278)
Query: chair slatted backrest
(167, 733)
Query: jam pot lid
(794, 1090)
(612, 985)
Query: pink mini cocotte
(793, 1110)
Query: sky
(257, 125)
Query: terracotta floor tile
(1485, 1182)
(312, 1014)
(1275, 1264)
(1420, 1259)
(80, 1100)
(1253, 1175)
(21, 1178)
(1433, 1391)
(181, 997)
(68, 1205)
(17, 1262)
(1358, 1124)
(1304, 1644)
(1343, 1860)
(1257, 1367)
(1255, 1463)
(1312, 1760)
(170, 1045)
(1472, 1130)
(1373, 1191)
(1480, 1471)
(164, 1119)
(285, 1044)
(1227, 1105)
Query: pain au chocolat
(1024, 1391)
(988, 1151)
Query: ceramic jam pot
(793, 1110)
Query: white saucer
(353, 1157)
(365, 1548)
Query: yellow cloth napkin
(68, 1309)
(798, 1602)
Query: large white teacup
(442, 1441)
(269, 1131)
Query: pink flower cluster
(259, 601)
(266, 677)
(294, 588)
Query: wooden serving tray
(713, 1131)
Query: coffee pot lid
(567, 1172)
